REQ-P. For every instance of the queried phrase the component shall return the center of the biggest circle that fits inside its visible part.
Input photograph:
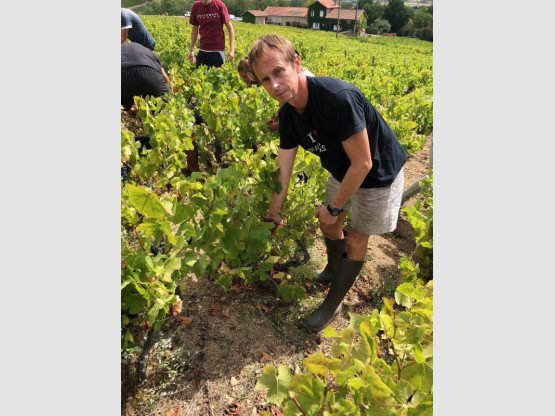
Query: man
(132, 28)
(207, 18)
(333, 120)
(142, 74)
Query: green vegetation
(210, 218)
(131, 3)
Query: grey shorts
(373, 210)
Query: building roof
(257, 13)
(286, 11)
(328, 4)
(345, 14)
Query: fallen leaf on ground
(192, 374)
(177, 307)
(264, 357)
(232, 409)
(225, 314)
(235, 288)
(184, 321)
(263, 308)
(172, 413)
(215, 309)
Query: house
(317, 13)
(322, 15)
(255, 16)
(287, 16)
(347, 19)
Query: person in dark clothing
(142, 74)
(335, 121)
(132, 28)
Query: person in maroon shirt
(208, 18)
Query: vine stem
(298, 405)
(138, 239)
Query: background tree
(238, 7)
(379, 26)
(408, 29)
(374, 10)
(422, 19)
(261, 4)
(397, 14)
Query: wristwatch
(334, 212)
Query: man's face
(278, 76)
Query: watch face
(334, 211)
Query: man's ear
(297, 65)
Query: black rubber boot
(345, 275)
(334, 249)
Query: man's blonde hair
(275, 42)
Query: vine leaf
(277, 384)
(146, 202)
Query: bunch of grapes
(157, 249)
(125, 170)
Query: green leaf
(308, 391)
(292, 292)
(329, 332)
(420, 376)
(146, 202)
(418, 356)
(415, 335)
(403, 390)
(317, 364)
(172, 264)
(149, 227)
(403, 300)
(153, 313)
(200, 265)
(373, 387)
(277, 385)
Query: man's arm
(357, 148)
(285, 160)
(124, 33)
(167, 78)
(194, 36)
(231, 52)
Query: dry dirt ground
(209, 359)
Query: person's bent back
(141, 74)
(132, 28)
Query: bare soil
(209, 359)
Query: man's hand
(273, 123)
(230, 56)
(275, 218)
(192, 58)
(325, 217)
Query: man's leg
(335, 246)
(357, 245)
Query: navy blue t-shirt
(134, 54)
(137, 31)
(335, 111)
